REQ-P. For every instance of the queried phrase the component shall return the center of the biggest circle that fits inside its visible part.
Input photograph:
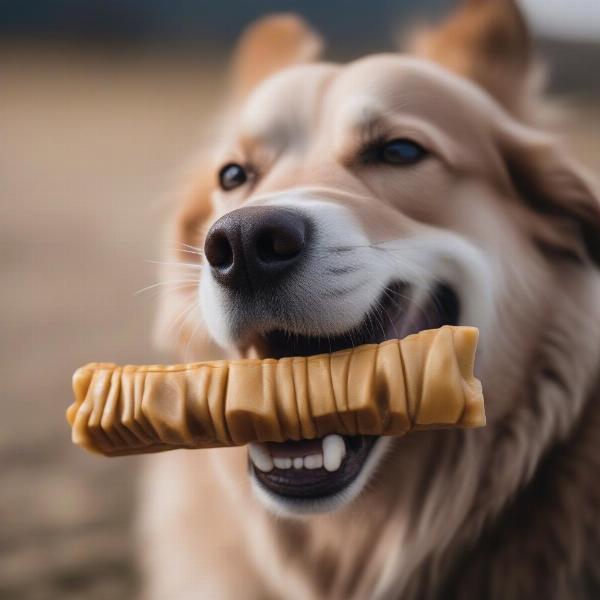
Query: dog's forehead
(402, 89)
(400, 80)
(298, 99)
(287, 103)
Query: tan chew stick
(424, 381)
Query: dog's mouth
(316, 472)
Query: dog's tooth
(260, 456)
(282, 463)
(298, 462)
(334, 450)
(313, 461)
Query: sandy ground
(89, 150)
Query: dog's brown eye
(402, 152)
(231, 176)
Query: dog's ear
(486, 41)
(269, 45)
(552, 183)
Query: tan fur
(509, 511)
(487, 42)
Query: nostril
(280, 244)
(218, 250)
(252, 246)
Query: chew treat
(423, 381)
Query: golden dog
(348, 203)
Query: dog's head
(347, 204)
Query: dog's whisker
(182, 288)
(390, 293)
(183, 250)
(181, 317)
(379, 320)
(164, 283)
(412, 302)
(186, 351)
(196, 266)
(184, 321)
(370, 328)
(195, 330)
(193, 249)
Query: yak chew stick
(424, 381)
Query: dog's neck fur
(468, 512)
(544, 541)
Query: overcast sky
(578, 19)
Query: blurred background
(101, 103)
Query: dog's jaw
(363, 271)
(290, 507)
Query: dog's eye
(402, 152)
(231, 176)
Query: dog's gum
(423, 381)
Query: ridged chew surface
(423, 381)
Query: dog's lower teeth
(283, 463)
(313, 461)
(331, 457)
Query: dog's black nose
(251, 246)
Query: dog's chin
(311, 476)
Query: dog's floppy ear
(486, 41)
(553, 184)
(269, 45)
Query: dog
(346, 204)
